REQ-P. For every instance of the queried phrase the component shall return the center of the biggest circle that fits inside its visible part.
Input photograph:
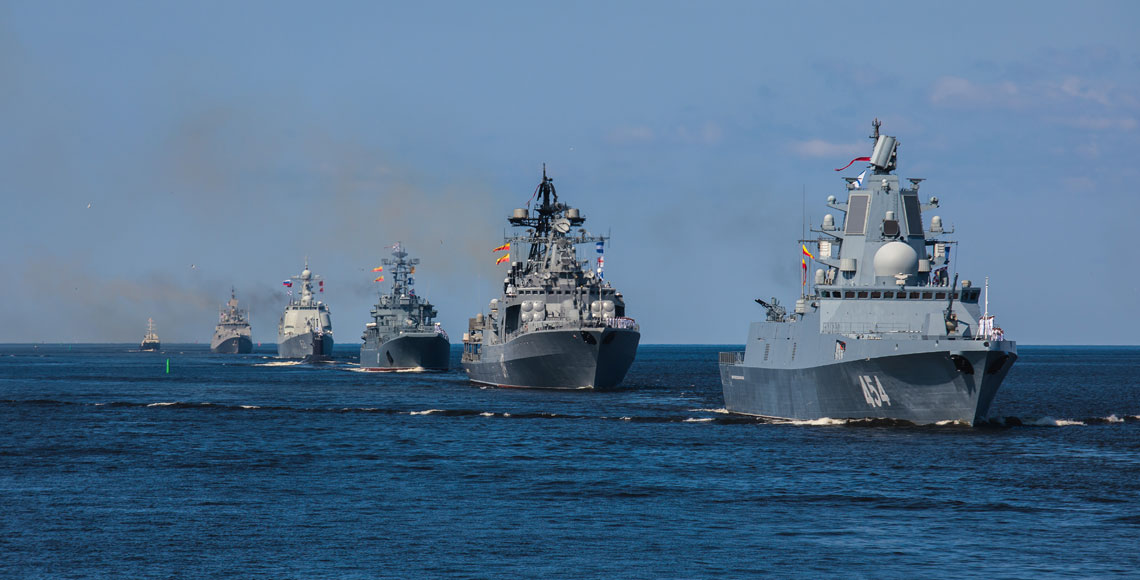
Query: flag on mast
(505, 246)
(503, 258)
(853, 162)
(378, 269)
(379, 279)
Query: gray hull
(306, 345)
(558, 359)
(429, 351)
(233, 345)
(922, 388)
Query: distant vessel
(305, 329)
(558, 323)
(402, 334)
(150, 341)
(884, 332)
(231, 335)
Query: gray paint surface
(403, 334)
(558, 322)
(232, 334)
(884, 332)
(305, 329)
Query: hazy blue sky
(242, 137)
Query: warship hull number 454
(884, 333)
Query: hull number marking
(873, 391)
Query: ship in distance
(558, 322)
(231, 335)
(883, 331)
(403, 334)
(305, 329)
(150, 340)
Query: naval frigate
(305, 329)
(883, 332)
(403, 334)
(558, 323)
(150, 340)
(231, 335)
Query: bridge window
(940, 295)
(849, 294)
(876, 295)
(927, 295)
(862, 294)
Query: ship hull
(428, 351)
(558, 359)
(233, 345)
(151, 346)
(922, 388)
(306, 345)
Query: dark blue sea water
(243, 466)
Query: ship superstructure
(305, 330)
(403, 334)
(884, 331)
(558, 322)
(232, 334)
(150, 339)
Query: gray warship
(231, 335)
(305, 329)
(402, 334)
(150, 339)
(558, 323)
(884, 332)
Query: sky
(154, 154)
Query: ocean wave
(721, 411)
(699, 420)
(1051, 422)
(817, 422)
(279, 363)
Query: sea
(116, 463)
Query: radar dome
(896, 258)
(306, 273)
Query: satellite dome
(306, 273)
(896, 258)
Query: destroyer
(402, 334)
(558, 324)
(884, 333)
(305, 329)
(231, 335)
(150, 340)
